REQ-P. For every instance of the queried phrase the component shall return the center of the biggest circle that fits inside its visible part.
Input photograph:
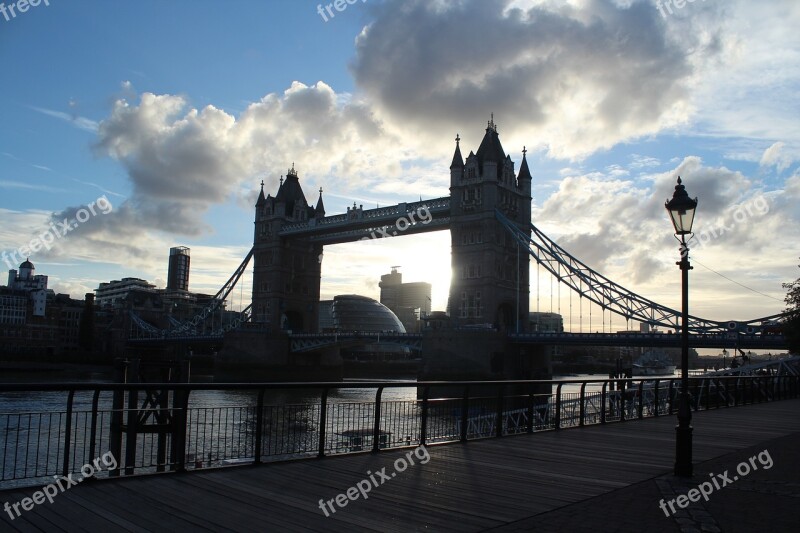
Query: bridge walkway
(594, 478)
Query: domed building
(35, 285)
(352, 312)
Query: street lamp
(681, 210)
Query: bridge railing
(54, 429)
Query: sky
(151, 124)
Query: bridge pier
(450, 354)
(260, 355)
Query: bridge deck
(595, 478)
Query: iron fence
(175, 429)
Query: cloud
(777, 156)
(7, 184)
(576, 78)
(181, 160)
(620, 228)
(79, 122)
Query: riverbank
(35, 371)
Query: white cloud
(777, 156)
(82, 123)
(576, 78)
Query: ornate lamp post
(681, 210)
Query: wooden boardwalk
(480, 485)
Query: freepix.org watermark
(11, 10)
(62, 484)
(338, 5)
(669, 4)
(718, 481)
(363, 487)
(57, 231)
(748, 210)
(421, 216)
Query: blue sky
(175, 111)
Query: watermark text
(57, 230)
(11, 10)
(363, 487)
(62, 484)
(338, 5)
(718, 481)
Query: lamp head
(681, 209)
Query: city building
(546, 322)
(352, 312)
(411, 302)
(113, 293)
(326, 316)
(35, 286)
(34, 320)
(178, 273)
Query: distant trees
(792, 330)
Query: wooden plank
(464, 487)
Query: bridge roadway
(594, 478)
(314, 341)
(303, 342)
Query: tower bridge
(490, 282)
(488, 214)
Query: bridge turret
(486, 287)
(457, 166)
(286, 271)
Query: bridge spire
(524, 177)
(261, 200)
(458, 161)
(491, 125)
(319, 211)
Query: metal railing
(54, 429)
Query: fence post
(423, 434)
(181, 428)
(498, 430)
(464, 413)
(655, 396)
(671, 397)
(376, 430)
(323, 421)
(603, 403)
(68, 433)
(641, 400)
(93, 434)
(583, 400)
(558, 406)
(531, 400)
(259, 425)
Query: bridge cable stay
(143, 325)
(607, 293)
(183, 328)
(218, 299)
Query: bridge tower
(286, 272)
(489, 283)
